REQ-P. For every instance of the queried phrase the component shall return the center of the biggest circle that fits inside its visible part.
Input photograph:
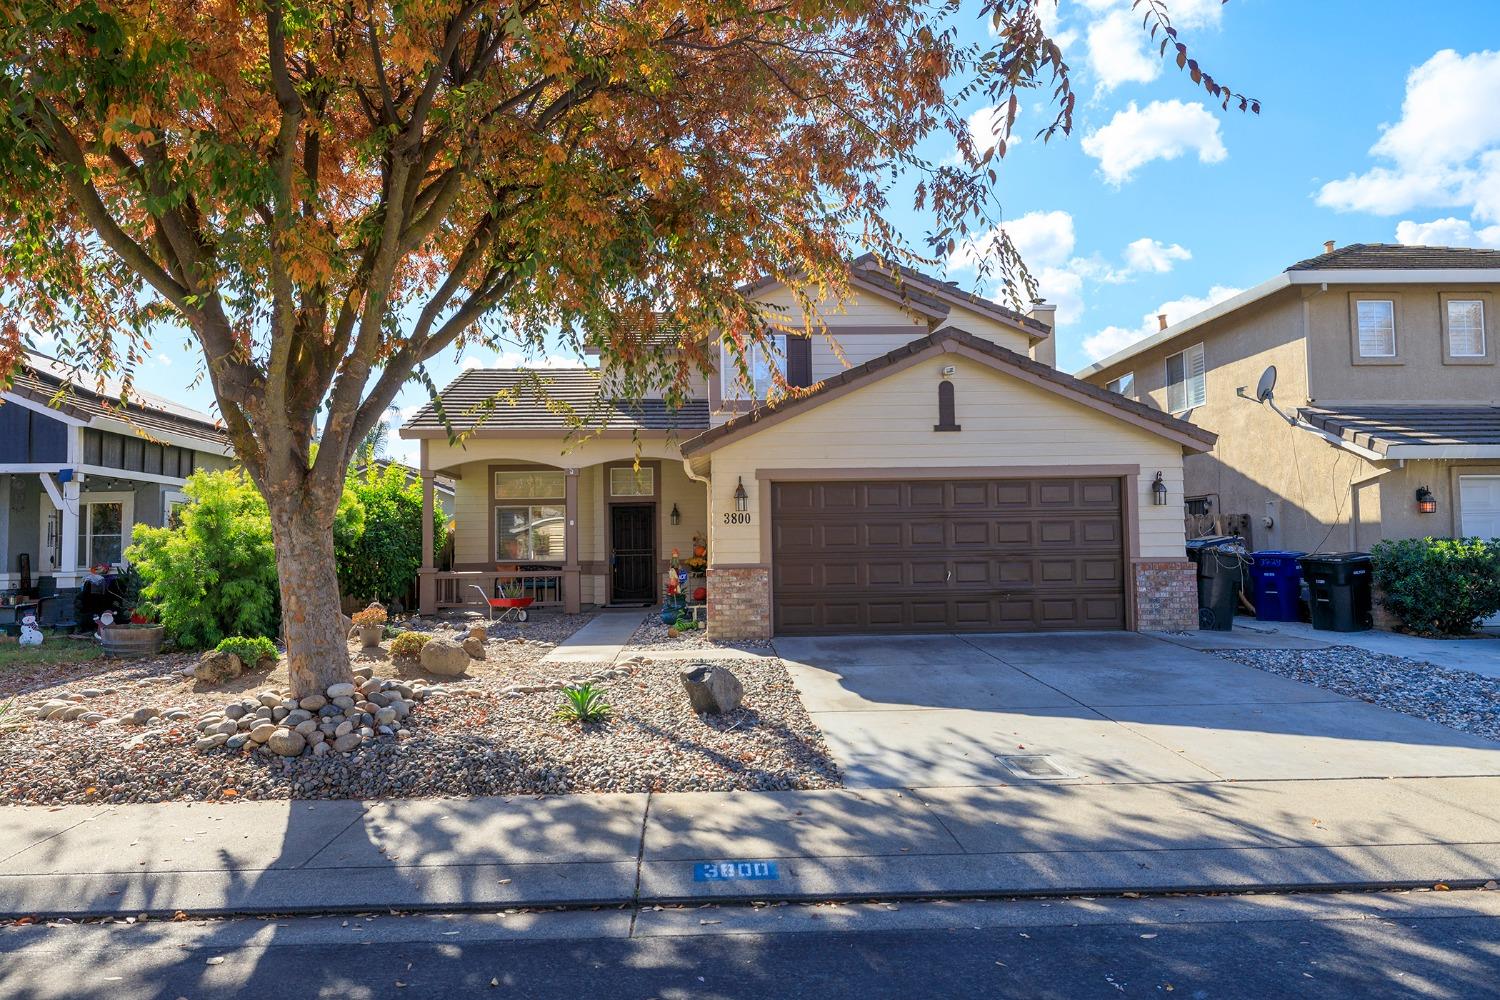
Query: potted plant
(371, 625)
(132, 632)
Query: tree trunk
(317, 648)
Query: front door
(632, 553)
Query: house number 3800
(737, 517)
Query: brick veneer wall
(739, 602)
(1166, 595)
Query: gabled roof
(1397, 256)
(943, 293)
(1414, 431)
(943, 341)
(1355, 264)
(442, 482)
(529, 399)
(41, 378)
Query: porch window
(529, 484)
(531, 531)
(106, 533)
(625, 481)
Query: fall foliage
(325, 195)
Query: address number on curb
(728, 871)
(737, 517)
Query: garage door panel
(935, 555)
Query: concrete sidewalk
(438, 854)
(601, 640)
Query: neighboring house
(1385, 358)
(80, 469)
(940, 475)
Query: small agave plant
(583, 703)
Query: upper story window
(1187, 380)
(1375, 328)
(1465, 328)
(1124, 385)
(761, 364)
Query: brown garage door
(941, 555)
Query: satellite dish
(1266, 388)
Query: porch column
(572, 598)
(68, 574)
(426, 576)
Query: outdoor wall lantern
(1426, 502)
(676, 515)
(1158, 492)
(741, 498)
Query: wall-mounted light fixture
(1426, 502)
(741, 498)
(676, 515)
(1158, 492)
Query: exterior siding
(888, 424)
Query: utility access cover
(1037, 766)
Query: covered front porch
(572, 525)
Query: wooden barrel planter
(132, 640)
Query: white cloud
(163, 359)
(1154, 256)
(983, 129)
(1162, 130)
(1046, 242)
(1444, 151)
(1116, 338)
(518, 359)
(1117, 51)
(1449, 232)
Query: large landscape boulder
(214, 667)
(444, 656)
(713, 690)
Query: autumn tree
(325, 195)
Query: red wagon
(509, 605)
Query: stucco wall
(888, 424)
(1420, 374)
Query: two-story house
(81, 465)
(940, 474)
(1387, 384)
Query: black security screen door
(632, 544)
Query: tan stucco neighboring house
(940, 474)
(1388, 388)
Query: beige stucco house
(1388, 391)
(940, 474)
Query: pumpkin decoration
(701, 594)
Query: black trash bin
(1338, 587)
(1220, 561)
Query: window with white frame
(761, 363)
(1465, 328)
(526, 526)
(105, 520)
(1376, 328)
(1187, 380)
(173, 503)
(625, 481)
(1124, 385)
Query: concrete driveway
(1096, 708)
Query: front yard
(490, 732)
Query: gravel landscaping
(1455, 698)
(652, 634)
(490, 732)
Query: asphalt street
(1418, 944)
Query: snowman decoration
(31, 633)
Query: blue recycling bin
(1277, 578)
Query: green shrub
(214, 575)
(381, 563)
(408, 645)
(583, 703)
(1439, 586)
(250, 649)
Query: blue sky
(1380, 122)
